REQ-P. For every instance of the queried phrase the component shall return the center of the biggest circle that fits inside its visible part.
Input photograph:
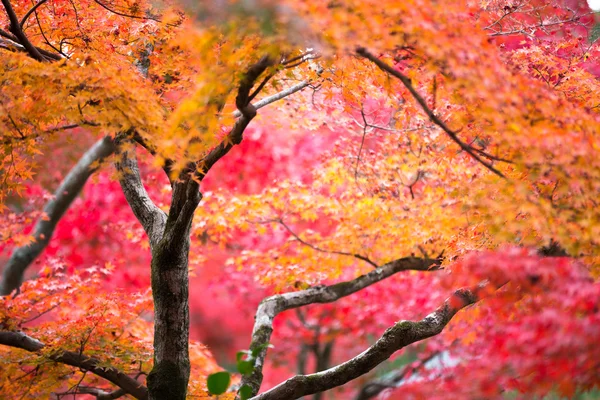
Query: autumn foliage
(376, 199)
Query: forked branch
(31, 11)
(272, 306)
(186, 196)
(246, 112)
(400, 335)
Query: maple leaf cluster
(406, 161)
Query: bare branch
(184, 200)
(186, 195)
(362, 143)
(75, 359)
(8, 35)
(235, 135)
(434, 118)
(271, 306)
(277, 96)
(167, 165)
(295, 61)
(152, 218)
(70, 187)
(400, 335)
(48, 43)
(242, 100)
(261, 86)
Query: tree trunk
(169, 377)
(170, 243)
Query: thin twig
(123, 14)
(312, 246)
(31, 10)
(362, 143)
(434, 118)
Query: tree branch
(373, 388)
(11, 42)
(184, 200)
(277, 96)
(152, 218)
(260, 87)
(428, 111)
(246, 112)
(75, 359)
(271, 306)
(235, 136)
(186, 195)
(70, 187)
(167, 165)
(125, 15)
(99, 394)
(400, 335)
(31, 11)
(15, 28)
(242, 100)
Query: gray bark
(170, 241)
(275, 97)
(170, 374)
(169, 237)
(393, 339)
(272, 306)
(22, 257)
(152, 218)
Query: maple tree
(333, 167)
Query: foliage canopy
(349, 163)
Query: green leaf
(256, 351)
(245, 367)
(240, 354)
(245, 392)
(218, 382)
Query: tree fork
(170, 288)
(170, 250)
